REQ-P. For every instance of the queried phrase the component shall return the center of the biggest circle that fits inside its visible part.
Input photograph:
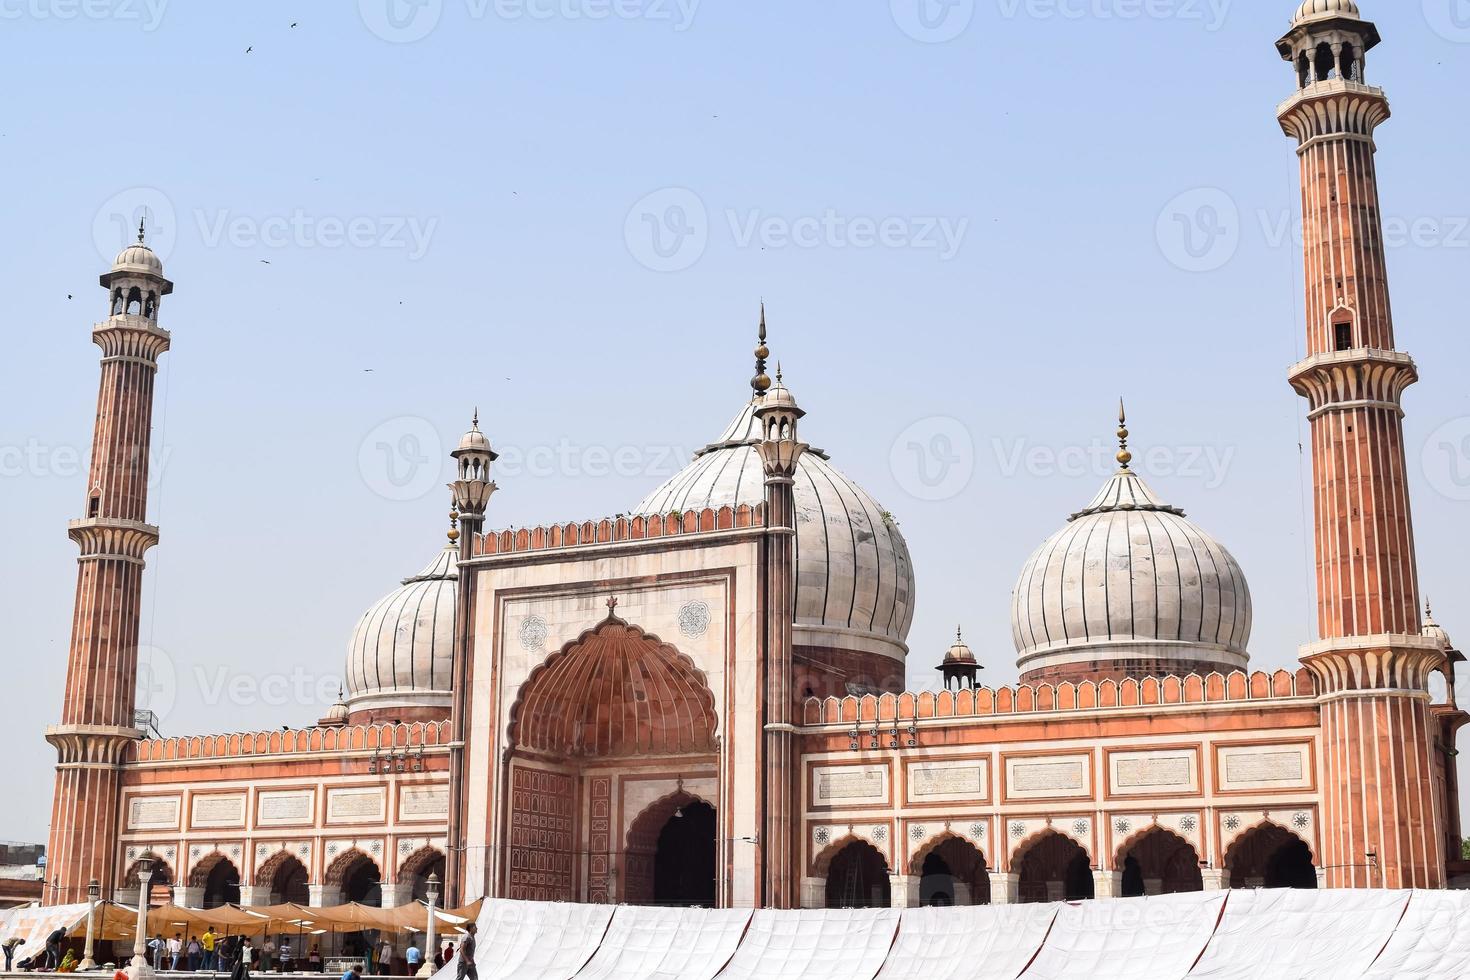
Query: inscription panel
(957, 781)
(154, 813)
(1049, 777)
(284, 808)
(355, 805)
(423, 802)
(222, 810)
(849, 785)
(1150, 773)
(1244, 768)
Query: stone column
(255, 895)
(1106, 884)
(324, 895)
(1214, 879)
(903, 891)
(189, 898)
(1005, 888)
(398, 894)
(814, 893)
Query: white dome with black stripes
(855, 582)
(403, 648)
(1130, 582)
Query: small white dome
(1323, 9)
(1129, 583)
(960, 652)
(138, 259)
(474, 441)
(855, 581)
(1435, 631)
(402, 651)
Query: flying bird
(250, 49)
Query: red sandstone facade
(717, 686)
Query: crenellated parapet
(1151, 692)
(1359, 378)
(299, 741)
(619, 530)
(112, 539)
(130, 337)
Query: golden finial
(1124, 456)
(454, 525)
(475, 421)
(761, 383)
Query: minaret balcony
(1362, 377)
(104, 538)
(129, 336)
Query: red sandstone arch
(823, 862)
(615, 691)
(420, 864)
(641, 846)
(199, 874)
(344, 864)
(965, 863)
(857, 875)
(916, 863)
(1257, 846)
(1159, 853)
(163, 872)
(286, 877)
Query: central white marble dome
(1130, 580)
(855, 582)
(402, 651)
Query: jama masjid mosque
(704, 703)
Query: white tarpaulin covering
(1129, 938)
(989, 942)
(838, 944)
(1300, 935)
(33, 925)
(1432, 941)
(536, 940)
(690, 944)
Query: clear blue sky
(964, 225)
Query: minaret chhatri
(1371, 663)
(114, 536)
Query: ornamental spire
(761, 383)
(142, 223)
(1124, 456)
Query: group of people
(413, 959)
(48, 958)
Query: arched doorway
(952, 872)
(286, 879)
(1159, 862)
(857, 878)
(417, 870)
(1054, 869)
(669, 858)
(160, 889)
(615, 692)
(1270, 857)
(220, 880)
(358, 878)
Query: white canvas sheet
(1126, 938)
(988, 942)
(831, 945)
(34, 924)
(654, 944)
(1432, 941)
(535, 940)
(1300, 935)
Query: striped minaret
(1380, 813)
(97, 713)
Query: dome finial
(959, 636)
(761, 383)
(142, 223)
(1124, 456)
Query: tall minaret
(114, 536)
(1380, 813)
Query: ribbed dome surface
(1129, 580)
(138, 258)
(402, 649)
(854, 577)
(1315, 9)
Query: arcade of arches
(1053, 868)
(614, 695)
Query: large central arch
(614, 693)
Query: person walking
(157, 947)
(9, 947)
(268, 955)
(286, 955)
(414, 958)
(465, 968)
(176, 952)
(207, 940)
(195, 953)
(242, 968)
(385, 958)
